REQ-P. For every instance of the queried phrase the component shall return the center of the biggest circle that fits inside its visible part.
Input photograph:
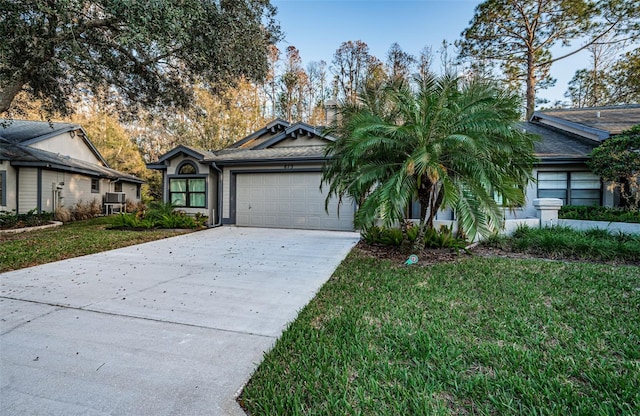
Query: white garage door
(287, 200)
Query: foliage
(111, 139)
(520, 34)
(393, 236)
(611, 83)
(149, 52)
(352, 63)
(69, 240)
(618, 160)
(624, 82)
(444, 141)
(32, 218)
(596, 213)
(86, 210)
(159, 215)
(483, 336)
(212, 122)
(564, 242)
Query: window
(187, 169)
(188, 192)
(95, 185)
(186, 188)
(117, 187)
(3, 188)
(573, 188)
(138, 191)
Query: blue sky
(318, 27)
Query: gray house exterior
(46, 165)
(270, 178)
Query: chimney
(330, 111)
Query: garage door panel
(287, 200)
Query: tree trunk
(8, 93)
(531, 85)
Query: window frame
(569, 190)
(95, 189)
(3, 188)
(188, 192)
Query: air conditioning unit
(114, 198)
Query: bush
(10, 220)
(442, 238)
(86, 210)
(561, 242)
(63, 214)
(596, 213)
(159, 215)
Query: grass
(563, 242)
(70, 240)
(480, 336)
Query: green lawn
(479, 336)
(70, 240)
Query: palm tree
(445, 141)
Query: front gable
(66, 139)
(170, 160)
(298, 134)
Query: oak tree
(149, 52)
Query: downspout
(218, 222)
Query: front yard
(70, 240)
(472, 336)
(452, 335)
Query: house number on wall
(288, 167)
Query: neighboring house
(568, 137)
(270, 178)
(46, 165)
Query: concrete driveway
(171, 327)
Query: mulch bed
(434, 256)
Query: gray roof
(612, 119)
(20, 155)
(557, 145)
(17, 135)
(23, 131)
(258, 147)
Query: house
(567, 138)
(46, 165)
(270, 178)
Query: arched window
(186, 188)
(187, 168)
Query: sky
(318, 27)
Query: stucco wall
(77, 188)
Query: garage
(288, 200)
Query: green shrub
(442, 238)
(559, 242)
(30, 219)
(159, 215)
(596, 213)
